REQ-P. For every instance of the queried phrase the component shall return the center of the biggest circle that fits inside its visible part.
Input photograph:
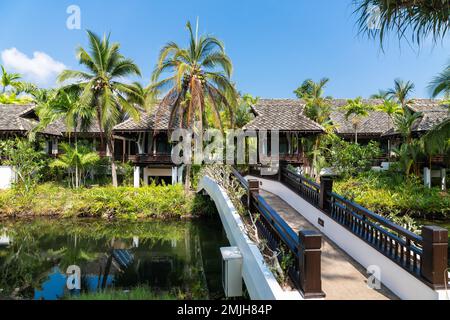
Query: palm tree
(76, 160)
(421, 17)
(381, 94)
(195, 76)
(318, 109)
(404, 124)
(401, 92)
(100, 87)
(441, 83)
(9, 80)
(357, 110)
(390, 107)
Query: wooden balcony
(159, 158)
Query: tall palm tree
(318, 109)
(9, 80)
(357, 110)
(100, 87)
(421, 18)
(441, 83)
(401, 92)
(404, 124)
(193, 77)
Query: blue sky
(274, 44)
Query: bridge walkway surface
(342, 277)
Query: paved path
(342, 277)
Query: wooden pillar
(435, 255)
(310, 275)
(326, 186)
(253, 186)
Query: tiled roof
(12, 120)
(282, 115)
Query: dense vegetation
(390, 194)
(160, 202)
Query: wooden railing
(424, 256)
(304, 187)
(159, 158)
(305, 247)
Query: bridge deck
(342, 277)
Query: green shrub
(391, 193)
(107, 202)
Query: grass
(138, 293)
(161, 202)
(389, 193)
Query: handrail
(383, 221)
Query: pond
(117, 260)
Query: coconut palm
(100, 87)
(189, 78)
(441, 83)
(401, 92)
(357, 110)
(9, 80)
(422, 18)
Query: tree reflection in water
(181, 259)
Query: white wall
(399, 281)
(260, 281)
(7, 177)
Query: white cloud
(41, 68)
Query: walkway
(342, 277)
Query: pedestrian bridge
(342, 251)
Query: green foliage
(135, 294)
(349, 159)
(25, 160)
(389, 193)
(106, 202)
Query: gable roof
(14, 119)
(282, 115)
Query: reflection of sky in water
(55, 287)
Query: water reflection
(175, 259)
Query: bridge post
(326, 186)
(253, 186)
(435, 255)
(309, 263)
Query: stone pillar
(137, 176)
(427, 177)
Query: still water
(118, 260)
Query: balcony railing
(159, 158)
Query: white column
(444, 179)
(137, 176)
(174, 175)
(427, 177)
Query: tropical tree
(12, 98)
(357, 110)
(420, 18)
(243, 113)
(390, 107)
(318, 109)
(76, 160)
(100, 87)
(404, 124)
(188, 78)
(9, 80)
(381, 94)
(441, 83)
(401, 92)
